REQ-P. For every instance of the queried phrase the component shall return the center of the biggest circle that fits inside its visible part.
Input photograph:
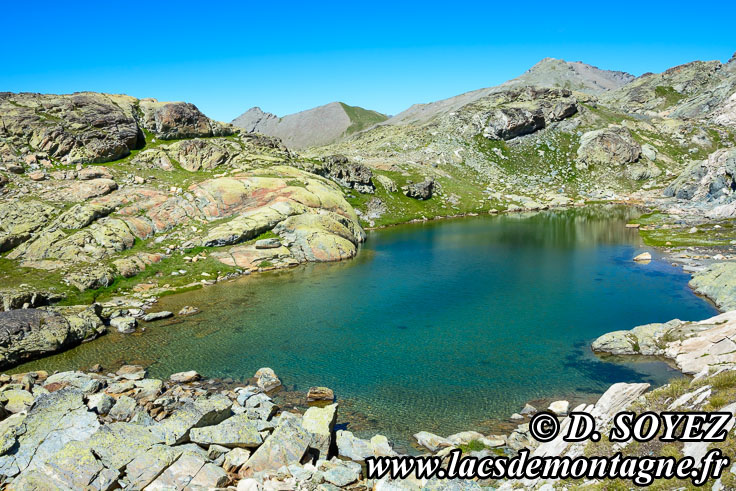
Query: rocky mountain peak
(314, 127)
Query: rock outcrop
(88, 127)
(609, 146)
(709, 183)
(694, 346)
(31, 333)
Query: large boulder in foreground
(31, 333)
(608, 146)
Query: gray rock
(717, 282)
(131, 372)
(432, 441)
(144, 468)
(27, 334)
(185, 377)
(608, 146)
(78, 380)
(126, 325)
(190, 472)
(271, 243)
(286, 445)
(320, 422)
(16, 400)
(352, 447)
(235, 459)
(266, 379)
(54, 420)
(421, 190)
(73, 467)
(342, 473)
(100, 403)
(117, 444)
(202, 412)
(236, 431)
(123, 409)
(154, 316)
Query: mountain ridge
(318, 126)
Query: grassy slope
(361, 118)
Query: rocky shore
(108, 202)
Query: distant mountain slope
(693, 90)
(549, 72)
(314, 127)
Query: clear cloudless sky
(289, 56)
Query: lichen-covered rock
(236, 431)
(286, 445)
(709, 181)
(267, 379)
(54, 420)
(320, 422)
(202, 412)
(30, 333)
(173, 120)
(75, 128)
(717, 282)
(608, 146)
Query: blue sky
(289, 56)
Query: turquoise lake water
(441, 326)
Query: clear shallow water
(441, 326)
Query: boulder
(184, 377)
(188, 310)
(560, 408)
(320, 394)
(421, 191)
(235, 459)
(710, 181)
(100, 403)
(190, 472)
(644, 257)
(16, 400)
(286, 445)
(266, 379)
(131, 372)
(123, 409)
(271, 243)
(146, 467)
(341, 473)
(125, 325)
(352, 447)
(432, 441)
(30, 333)
(90, 189)
(508, 123)
(608, 146)
(54, 420)
(74, 128)
(320, 422)
(202, 412)
(154, 316)
(236, 431)
(94, 172)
